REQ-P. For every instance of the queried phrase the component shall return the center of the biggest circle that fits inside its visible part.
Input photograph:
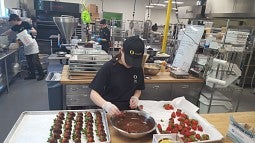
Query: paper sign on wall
(188, 46)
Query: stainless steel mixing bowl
(148, 119)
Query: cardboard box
(94, 16)
(92, 8)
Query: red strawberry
(185, 116)
(169, 128)
(199, 127)
(171, 120)
(194, 122)
(173, 115)
(181, 119)
(187, 134)
(168, 106)
(178, 112)
(194, 127)
(198, 136)
(159, 128)
(175, 130)
(180, 128)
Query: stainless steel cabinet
(169, 91)
(78, 95)
(189, 90)
(157, 91)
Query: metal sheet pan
(34, 126)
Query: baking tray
(161, 116)
(34, 126)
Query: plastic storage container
(217, 105)
(54, 91)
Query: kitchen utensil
(151, 69)
(133, 117)
(61, 54)
(151, 52)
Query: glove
(59, 44)
(110, 108)
(133, 103)
(99, 40)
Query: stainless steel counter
(7, 71)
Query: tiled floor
(32, 95)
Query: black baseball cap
(103, 21)
(134, 49)
(13, 17)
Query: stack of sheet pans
(86, 66)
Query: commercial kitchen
(198, 67)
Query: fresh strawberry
(186, 121)
(159, 128)
(194, 122)
(192, 132)
(199, 127)
(205, 137)
(168, 129)
(171, 120)
(178, 112)
(185, 116)
(173, 115)
(168, 106)
(175, 130)
(187, 134)
(179, 127)
(192, 138)
(198, 136)
(194, 127)
(181, 119)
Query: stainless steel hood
(241, 9)
(238, 9)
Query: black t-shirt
(105, 34)
(116, 83)
(23, 26)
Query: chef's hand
(99, 40)
(133, 103)
(111, 109)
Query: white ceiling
(186, 3)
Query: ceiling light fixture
(157, 4)
(149, 6)
(178, 2)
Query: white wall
(11, 3)
(119, 6)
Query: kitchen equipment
(66, 25)
(151, 69)
(133, 118)
(16, 11)
(61, 54)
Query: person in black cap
(31, 51)
(104, 36)
(118, 84)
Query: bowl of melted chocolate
(133, 123)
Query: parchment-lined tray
(34, 126)
(162, 116)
